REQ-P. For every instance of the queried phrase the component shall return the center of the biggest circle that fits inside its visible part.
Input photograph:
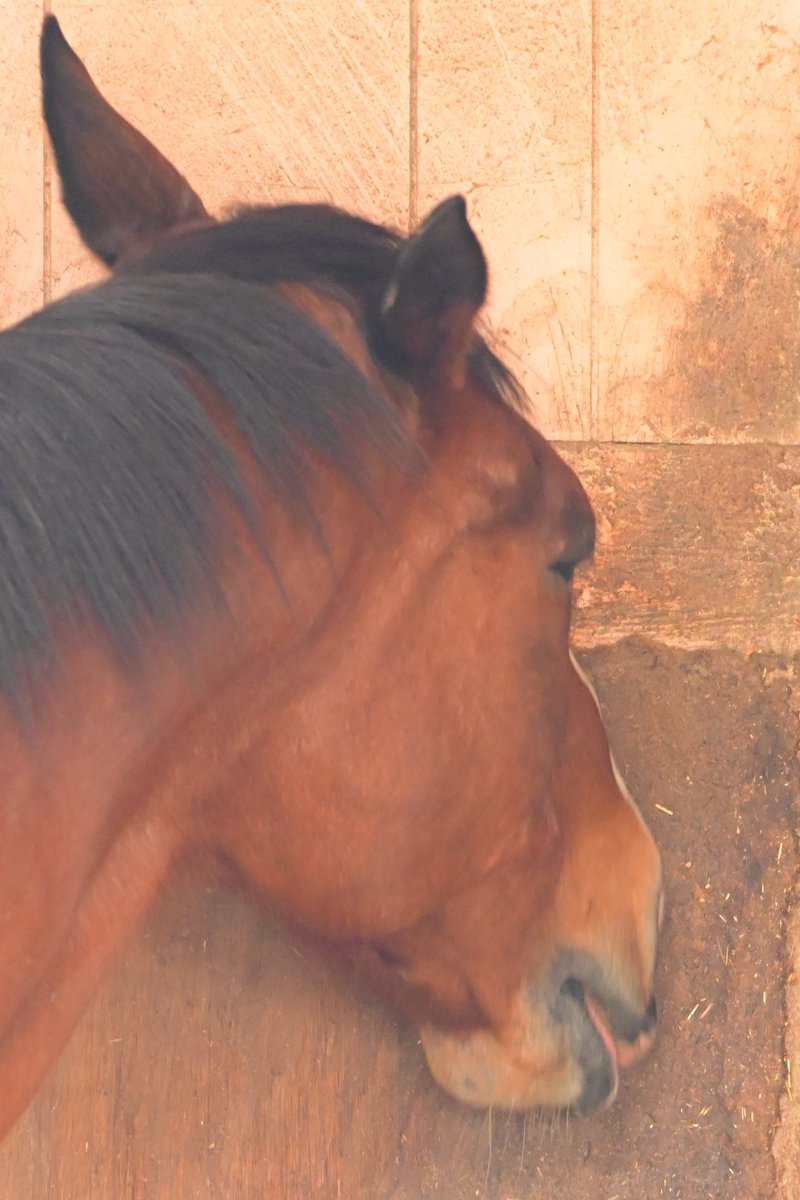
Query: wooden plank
(220, 1060)
(678, 320)
(504, 116)
(21, 198)
(699, 239)
(253, 102)
(698, 546)
(786, 1140)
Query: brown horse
(286, 587)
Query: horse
(285, 588)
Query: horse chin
(481, 1071)
(530, 1065)
(561, 1054)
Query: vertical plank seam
(594, 276)
(47, 201)
(413, 113)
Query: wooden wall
(625, 164)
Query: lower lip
(601, 1027)
(597, 1020)
(624, 1054)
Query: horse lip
(625, 1051)
(591, 1044)
(595, 1015)
(626, 1023)
(589, 1033)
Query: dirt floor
(221, 1062)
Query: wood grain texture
(21, 194)
(504, 116)
(672, 318)
(220, 1061)
(633, 171)
(254, 102)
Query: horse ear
(118, 189)
(439, 283)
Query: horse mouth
(565, 1053)
(599, 1052)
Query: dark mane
(306, 243)
(107, 456)
(309, 243)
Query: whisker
(489, 1158)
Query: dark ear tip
(51, 32)
(52, 45)
(455, 204)
(448, 224)
(453, 209)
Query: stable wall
(632, 170)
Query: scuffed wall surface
(625, 166)
(21, 148)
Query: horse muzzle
(598, 1044)
(564, 1048)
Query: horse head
(425, 781)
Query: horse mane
(108, 460)
(311, 244)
